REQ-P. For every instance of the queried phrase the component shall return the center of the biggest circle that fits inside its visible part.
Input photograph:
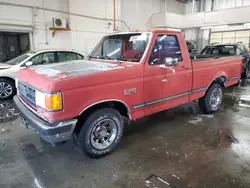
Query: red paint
(80, 92)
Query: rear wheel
(7, 88)
(211, 102)
(101, 133)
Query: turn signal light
(53, 102)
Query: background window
(68, 56)
(238, 51)
(43, 58)
(165, 46)
(78, 57)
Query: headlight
(16, 82)
(50, 102)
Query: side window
(165, 46)
(78, 56)
(66, 56)
(44, 58)
(243, 49)
(238, 51)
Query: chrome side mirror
(28, 63)
(170, 62)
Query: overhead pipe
(193, 7)
(114, 29)
(64, 12)
(212, 5)
(45, 25)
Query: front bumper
(51, 132)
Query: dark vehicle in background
(191, 47)
(236, 49)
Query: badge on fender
(129, 91)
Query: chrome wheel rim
(215, 99)
(103, 134)
(5, 89)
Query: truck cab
(131, 75)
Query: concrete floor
(180, 145)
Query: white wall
(174, 6)
(136, 13)
(86, 32)
(20, 19)
(189, 8)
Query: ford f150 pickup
(131, 75)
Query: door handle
(184, 68)
(163, 66)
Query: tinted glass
(44, 58)
(219, 50)
(66, 56)
(78, 57)
(165, 46)
(124, 47)
(19, 59)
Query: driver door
(164, 86)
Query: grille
(27, 93)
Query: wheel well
(8, 78)
(220, 80)
(119, 106)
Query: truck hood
(4, 66)
(75, 68)
(75, 74)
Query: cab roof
(156, 30)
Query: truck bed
(212, 68)
(194, 57)
(198, 57)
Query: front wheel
(7, 88)
(101, 133)
(211, 102)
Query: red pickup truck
(131, 74)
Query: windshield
(19, 59)
(219, 50)
(123, 47)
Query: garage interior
(13, 44)
(180, 147)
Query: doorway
(13, 44)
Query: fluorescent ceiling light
(215, 27)
(220, 26)
(173, 29)
(205, 27)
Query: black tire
(84, 140)
(11, 83)
(245, 73)
(205, 102)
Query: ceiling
(185, 1)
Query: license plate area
(25, 122)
